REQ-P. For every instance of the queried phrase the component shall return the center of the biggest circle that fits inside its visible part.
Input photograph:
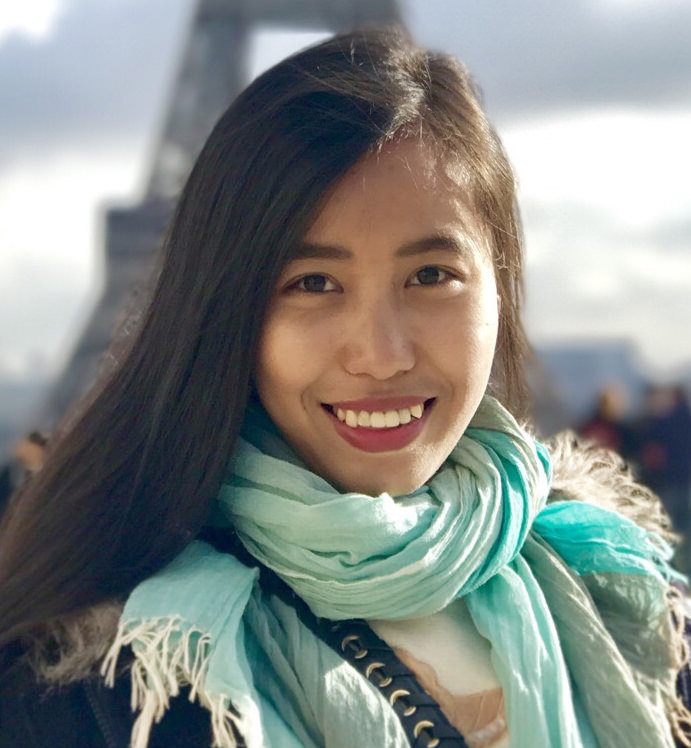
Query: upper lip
(373, 404)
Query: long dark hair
(131, 481)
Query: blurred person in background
(607, 425)
(664, 451)
(302, 509)
(27, 458)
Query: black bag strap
(422, 719)
(424, 723)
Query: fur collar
(587, 472)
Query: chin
(399, 486)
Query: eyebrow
(433, 243)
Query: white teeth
(363, 418)
(378, 419)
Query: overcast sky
(592, 99)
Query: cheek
(275, 363)
(488, 308)
(469, 333)
(487, 331)
(289, 358)
(488, 328)
(472, 347)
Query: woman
(320, 398)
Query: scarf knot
(357, 556)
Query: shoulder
(71, 649)
(54, 694)
(586, 472)
(86, 714)
(35, 714)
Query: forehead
(404, 190)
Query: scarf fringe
(163, 663)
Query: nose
(378, 342)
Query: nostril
(381, 359)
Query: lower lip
(381, 440)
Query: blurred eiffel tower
(214, 69)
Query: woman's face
(379, 339)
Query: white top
(452, 663)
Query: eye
(314, 283)
(430, 275)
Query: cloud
(51, 259)
(588, 276)
(32, 18)
(608, 227)
(102, 74)
(631, 164)
(47, 302)
(107, 68)
(602, 176)
(533, 56)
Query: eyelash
(298, 285)
(445, 277)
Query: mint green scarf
(573, 675)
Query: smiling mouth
(380, 419)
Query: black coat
(87, 714)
